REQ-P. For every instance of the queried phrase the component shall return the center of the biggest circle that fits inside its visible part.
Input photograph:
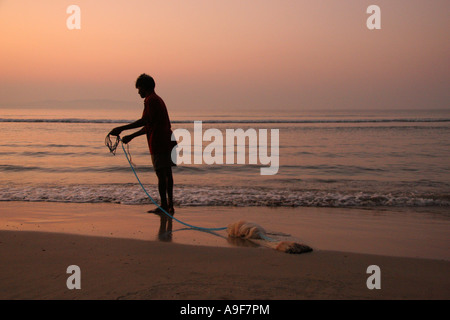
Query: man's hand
(127, 139)
(116, 131)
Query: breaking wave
(132, 194)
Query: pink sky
(264, 54)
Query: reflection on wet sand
(165, 229)
(165, 233)
(240, 242)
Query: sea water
(375, 158)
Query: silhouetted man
(156, 125)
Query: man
(156, 125)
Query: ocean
(364, 159)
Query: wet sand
(124, 253)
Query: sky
(251, 55)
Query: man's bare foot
(159, 211)
(156, 211)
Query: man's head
(145, 85)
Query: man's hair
(145, 81)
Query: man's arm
(130, 137)
(138, 123)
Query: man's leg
(162, 187)
(165, 183)
(170, 190)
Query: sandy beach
(124, 253)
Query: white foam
(215, 196)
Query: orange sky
(212, 55)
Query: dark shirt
(158, 125)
